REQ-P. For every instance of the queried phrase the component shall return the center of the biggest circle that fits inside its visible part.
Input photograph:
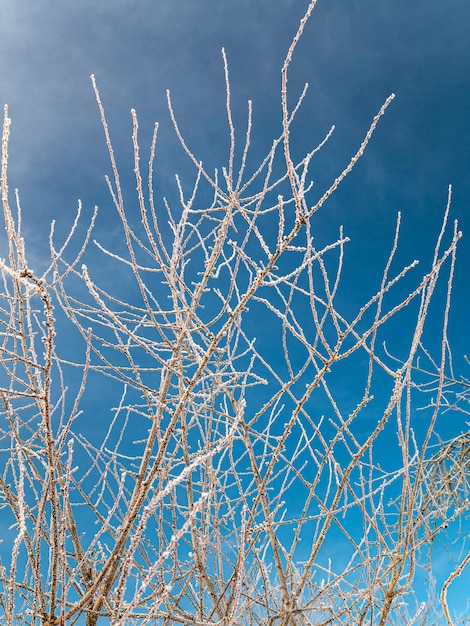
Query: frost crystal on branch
(235, 476)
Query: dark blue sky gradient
(353, 54)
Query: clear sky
(353, 54)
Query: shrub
(258, 462)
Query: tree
(230, 465)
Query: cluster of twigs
(234, 477)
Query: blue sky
(353, 54)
